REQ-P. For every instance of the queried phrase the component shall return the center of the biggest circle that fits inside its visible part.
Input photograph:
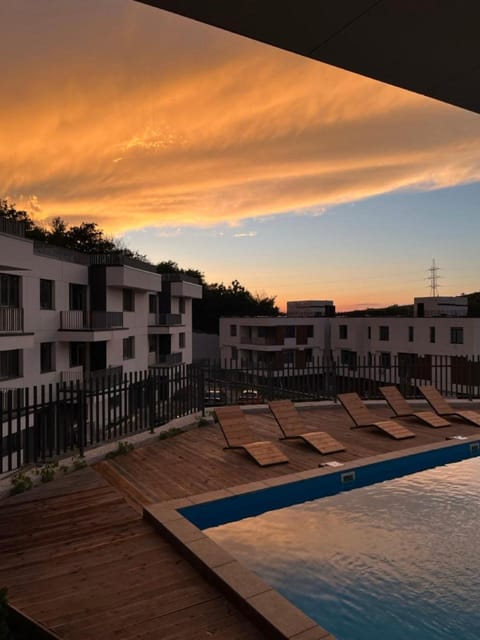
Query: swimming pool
(391, 560)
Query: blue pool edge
(182, 522)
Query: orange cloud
(130, 116)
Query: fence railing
(12, 227)
(90, 320)
(167, 319)
(11, 319)
(48, 421)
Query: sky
(188, 143)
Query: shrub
(122, 449)
(47, 472)
(20, 482)
(175, 431)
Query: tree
(220, 300)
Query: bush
(20, 482)
(122, 449)
(175, 431)
(48, 471)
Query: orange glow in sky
(135, 118)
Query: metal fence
(230, 382)
(49, 421)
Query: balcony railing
(167, 319)
(12, 227)
(90, 320)
(11, 320)
(164, 359)
(263, 342)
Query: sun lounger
(363, 417)
(402, 409)
(441, 406)
(292, 427)
(238, 435)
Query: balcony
(90, 320)
(11, 320)
(166, 319)
(164, 359)
(262, 342)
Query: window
(348, 358)
(289, 356)
(181, 340)
(9, 291)
(128, 300)
(128, 348)
(47, 360)
(77, 354)
(411, 334)
(78, 297)
(46, 294)
(369, 333)
(384, 333)
(385, 360)
(10, 364)
(290, 331)
(456, 335)
(181, 305)
(432, 334)
(343, 331)
(233, 330)
(152, 303)
(234, 353)
(310, 331)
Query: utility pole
(434, 277)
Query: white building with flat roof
(65, 315)
(273, 342)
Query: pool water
(394, 560)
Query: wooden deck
(77, 556)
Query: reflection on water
(395, 560)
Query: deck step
(133, 491)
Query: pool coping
(268, 609)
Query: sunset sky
(235, 158)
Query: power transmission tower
(434, 277)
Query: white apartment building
(430, 349)
(434, 346)
(273, 342)
(65, 314)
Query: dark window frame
(384, 333)
(47, 357)
(343, 331)
(129, 348)
(456, 335)
(128, 299)
(47, 294)
(11, 364)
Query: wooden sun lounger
(292, 426)
(402, 409)
(238, 435)
(363, 417)
(442, 408)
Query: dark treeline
(218, 299)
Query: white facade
(273, 342)
(65, 314)
(455, 336)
